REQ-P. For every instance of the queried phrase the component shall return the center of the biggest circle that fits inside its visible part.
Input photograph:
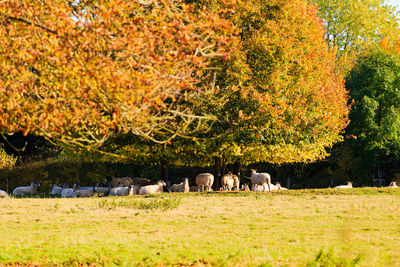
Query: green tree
(353, 25)
(374, 85)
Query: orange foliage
(82, 71)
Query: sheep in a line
(193, 188)
(182, 187)
(245, 188)
(84, 192)
(236, 182)
(152, 189)
(204, 181)
(102, 190)
(122, 191)
(3, 194)
(260, 179)
(56, 190)
(227, 182)
(348, 185)
(393, 184)
(69, 192)
(26, 190)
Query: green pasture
(328, 227)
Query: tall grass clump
(328, 259)
(152, 204)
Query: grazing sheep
(122, 191)
(84, 192)
(124, 181)
(26, 190)
(245, 188)
(152, 189)
(56, 190)
(348, 185)
(393, 185)
(3, 194)
(68, 192)
(138, 181)
(260, 179)
(182, 187)
(227, 182)
(204, 180)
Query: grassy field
(294, 228)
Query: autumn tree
(353, 25)
(78, 72)
(278, 99)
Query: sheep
(152, 189)
(142, 181)
(182, 187)
(227, 182)
(204, 180)
(69, 192)
(260, 179)
(348, 185)
(84, 192)
(56, 190)
(124, 181)
(122, 191)
(3, 194)
(393, 185)
(25, 190)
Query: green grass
(327, 227)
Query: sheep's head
(253, 171)
(185, 180)
(161, 183)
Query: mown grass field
(293, 228)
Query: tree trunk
(164, 170)
(217, 173)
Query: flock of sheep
(143, 186)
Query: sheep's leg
(269, 187)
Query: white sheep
(204, 180)
(152, 189)
(56, 190)
(393, 185)
(236, 182)
(122, 191)
(260, 179)
(69, 192)
(182, 187)
(84, 192)
(26, 190)
(3, 194)
(227, 182)
(348, 185)
(245, 187)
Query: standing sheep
(3, 194)
(85, 192)
(26, 190)
(68, 192)
(152, 189)
(260, 179)
(182, 187)
(227, 182)
(204, 180)
(56, 190)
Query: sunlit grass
(295, 228)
